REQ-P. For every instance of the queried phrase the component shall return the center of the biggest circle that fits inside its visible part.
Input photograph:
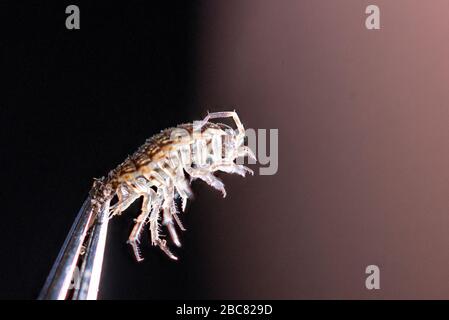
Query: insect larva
(156, 172)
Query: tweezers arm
(93, 260)
(61, 274)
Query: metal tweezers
(76, 273)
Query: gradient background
(363, 143)
(363, 122)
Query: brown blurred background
(363, 172)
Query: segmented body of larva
(156, 172)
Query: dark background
(362, 115)
(74, 105)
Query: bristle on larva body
(157, 173)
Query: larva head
(100, 193)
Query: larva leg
(176, 173)
(179, 181)
(121, 193)
(163, 245)
(121, 206)
(178, 221)
(154, 219)
(184, 191)
(207, 177)
(246, 151)
(140, 222)
(231, 167)
(168, 208)
(226, 114)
